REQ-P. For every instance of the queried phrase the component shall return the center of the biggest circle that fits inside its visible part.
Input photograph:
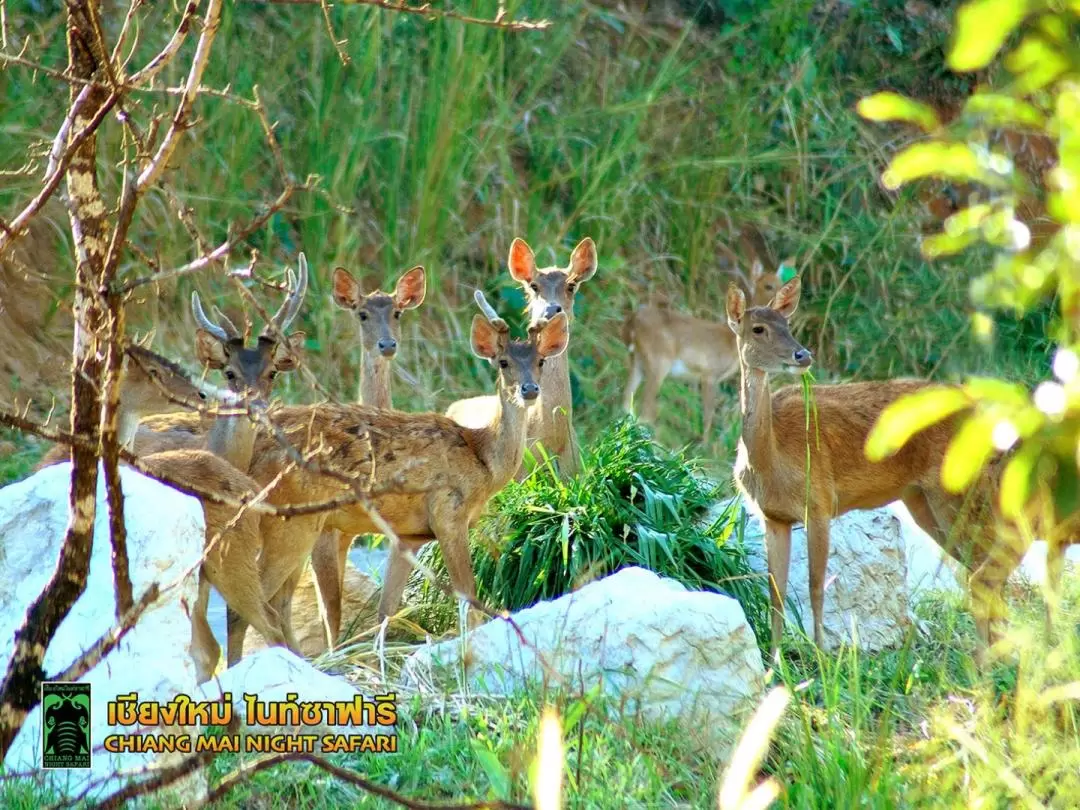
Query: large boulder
(165, 534)
(359, 607)
(654, 646)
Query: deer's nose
(803, 357)
(387, 347)
(552, 310)
(529, 391)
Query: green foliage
(1042, 431)
(635, 503)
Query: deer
(770, 469)
(548, 291)
(150, 384)
(433, 476)
(379, 317)
(662, 342)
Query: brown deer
(149, 383)
(548, 291)
(662, 342)
(379, 316)
(771, 464)
(433, 477)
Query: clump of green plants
(635, 503)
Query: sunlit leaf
(1066, 490)
(967, 219)
(895, 107)
(1016, 481)
(983, 326)
(982, 26)
(1035, 64)
(910, 414)
(995, 390)
(946, 244)
(955, 161)
(968, 452)
(1002, 110)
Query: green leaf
(982, 26)
(995, 390)
(1002, 110)
(910, 414)
(947, 244)
(895, 107)
(1066, 490)
(1016, 481)
(493, 769)
(955, 161)
(1036, 64)
(968, 452)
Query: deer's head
(551, 290)
(379, 313)
(763, 334)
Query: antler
(489, 312)
(217, 330)
(284, 317)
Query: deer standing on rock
(433, 477)
(548, 291)
(771, 465)
(662, 342)
(379, 316)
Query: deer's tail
(628, 329)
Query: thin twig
(427, 11)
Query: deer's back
(692, 346)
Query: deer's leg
(987, 587)
(655, 374)
(817, 536)
(708, 407)
(397, 573)
(778, 550)
(205, 651)
(236, 629)
(636, 376)
(451, 527)
(328, 577)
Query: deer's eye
(273, 374)
(504, 364)
(397, 313)
(363, 316)
(571, 287)
(534, 288)
(230, 375)
(541, 362)
(758, 330)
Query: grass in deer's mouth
(809, 406)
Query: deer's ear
(756, 271)
(553, 337)
(287, 353)
(583, 261)
(484, 338)
(346, 289)
(786, 300)
(736, 306)
(209, 350)
(522, 262)
(411, 288)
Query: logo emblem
(65, 725)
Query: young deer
(379, 316)
(771, 467)
(548, 291)
(663, 342)
(148, 385)
(433, 477)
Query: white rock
(866, 580)
(668, 652)
(275, 674)
(165, 534)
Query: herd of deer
(431, 475)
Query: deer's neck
(555, 386)
(375, 381)
(755, 403)
(233, 438)
(127, 425)
(506, 449)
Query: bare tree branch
(426, 10)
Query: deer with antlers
(379, 317)
(663, 342)
(432, 476)
(548, 291)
